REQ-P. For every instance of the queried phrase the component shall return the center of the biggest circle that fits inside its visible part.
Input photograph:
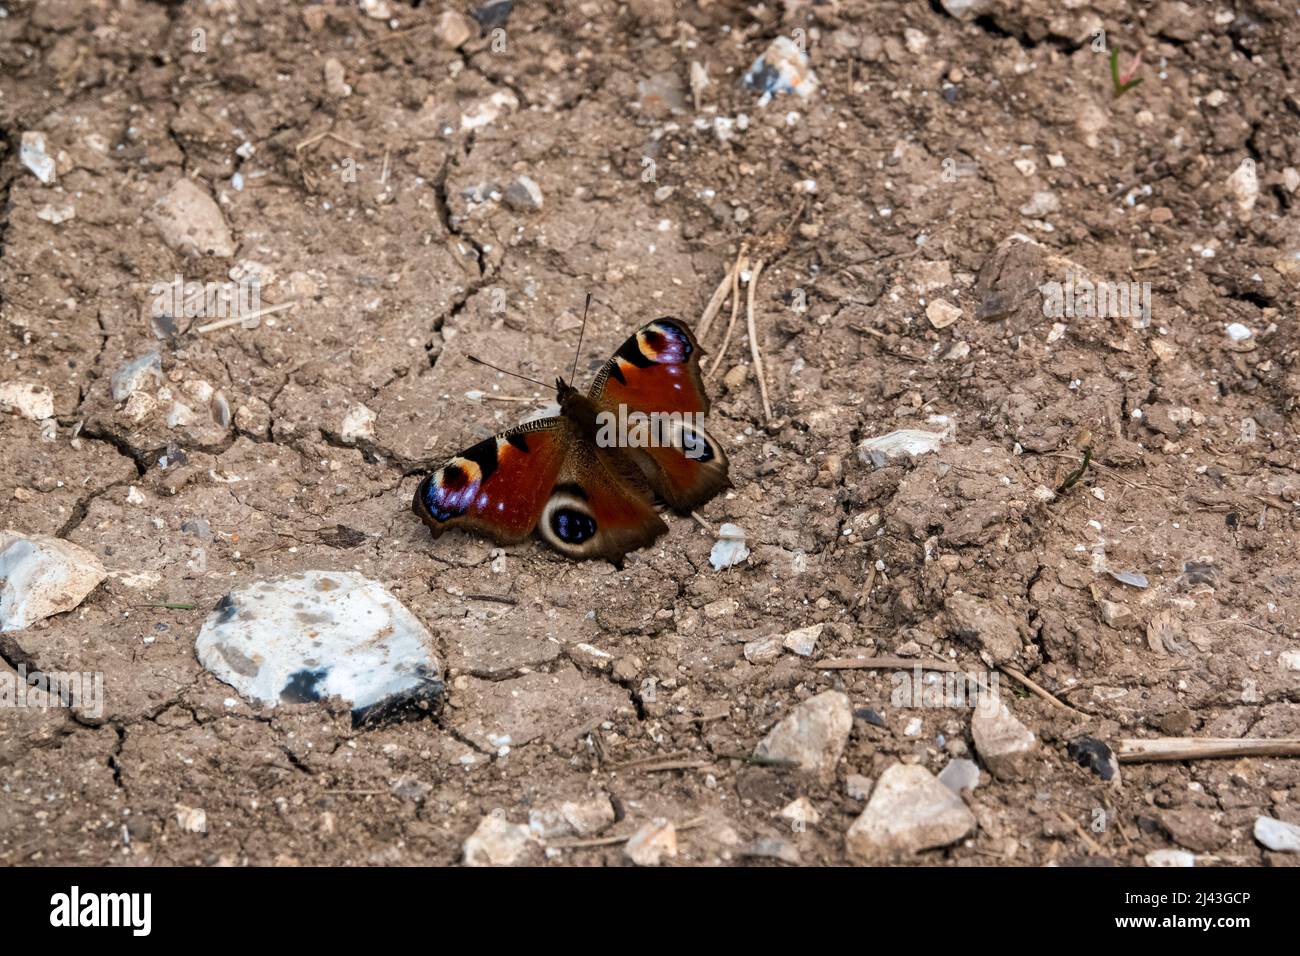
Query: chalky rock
(1174, 858)
(41, 576)
(32, 154)
(496, 842)
(191, 223)
(652, 843)
(909, 811)
(35, 402)
(1006, 746)
(321, 634)
(812, 736)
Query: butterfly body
(587, 496)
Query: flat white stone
(40, 576)
(321, 634)
(1277, 835)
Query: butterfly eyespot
(447, 493)
(572, 526)
(664, 341)
(695, 446)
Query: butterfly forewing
(657, 370)
(498, 486)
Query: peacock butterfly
(587, 479)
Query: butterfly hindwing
(656, 372)
(597, 509)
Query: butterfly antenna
(581, 332)
(478, 361)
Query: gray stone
(136, 375)
(960, 774)
(763, 651)
(524, 195)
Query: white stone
(1004, 744)
(1277, 835)
(28, 400)
(1042, 203)
(496, 842)
(1174, 858)
(191, 819)
(942, 313)
(763, 651)
(801, 813)
(1244, 185)
(813, 735)
(319, 634)
(56, 215)
(904, 442)
(909, 811)
(966, 9)
(654, 841)
(358, 424)
(730, 548)
(803, 641)
(41, 576)
(588, 817)
(31, 153)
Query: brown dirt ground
(396, 279)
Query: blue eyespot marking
(572, 526)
